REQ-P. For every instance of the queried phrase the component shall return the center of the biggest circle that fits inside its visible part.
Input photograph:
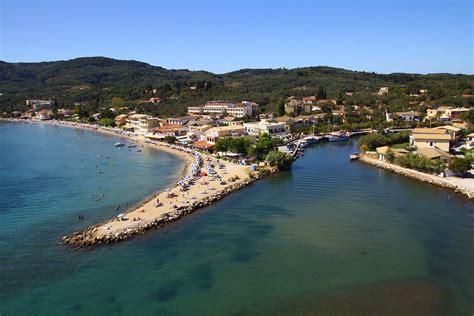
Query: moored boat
(311, 139)
(338, 137)
(119, 144)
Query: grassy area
(399, 146)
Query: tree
(170, 139)
(281, 108)
(460, 165)
(105, 121)
(469, 116)
(321, 93)
(279, 159)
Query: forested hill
(96, 80)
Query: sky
(384, 36)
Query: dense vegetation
(98, 80)
(372, 141)
(420, 163)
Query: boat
(119, 144)
(338, 137)
(302, 143)
(354, 156)
(132, 145)
(312, 139)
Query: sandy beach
(204, 179)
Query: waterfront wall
(414, 174)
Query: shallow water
(329, 237)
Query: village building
(272, 128)
(214, 133)
(383, 151)
(37, 105)
(141, 124)
(169, 130)
(244, 108)
(431, 138)
(44, 114)
(435, 153)
(121, 120)
(445, 113)
(231, 121)
(410, 116)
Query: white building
(224, 108)
(272, 128)
(141, 124)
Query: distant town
(441, 136)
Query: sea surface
(329, 237)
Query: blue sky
(422, 36)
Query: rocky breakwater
(91, 237)
(420, 176)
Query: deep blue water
(329, 236)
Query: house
(44, 114)
(203, 145)
(445, 113)
(214, 133)
(435, 153)
(287, 120)
(411, 116)
(431, 137)
(256, 128)
(397, 152)
(231, 121)
(181, 120)
(451, 129)
(294, 105)
(309, 100)
(121, 120)
(169, 130)
(141, 124)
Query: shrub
(460, 165)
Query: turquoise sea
(329, 237)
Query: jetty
(207, 180)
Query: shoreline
(174, 203)
(458, 185)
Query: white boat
(311, 139)
(119, 144)
(302, 143)
(132, 145)
(338, 137)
